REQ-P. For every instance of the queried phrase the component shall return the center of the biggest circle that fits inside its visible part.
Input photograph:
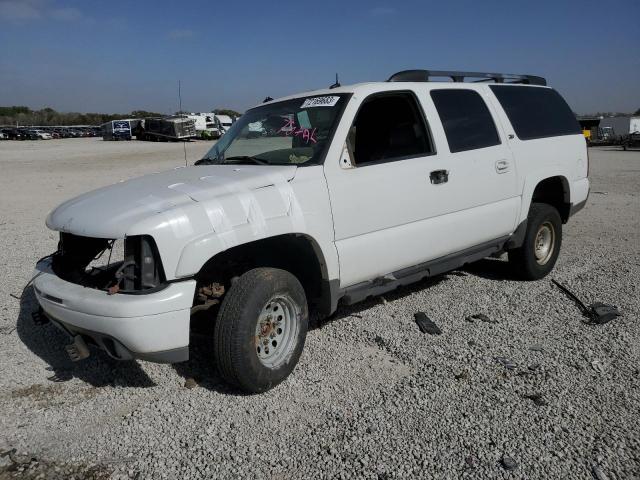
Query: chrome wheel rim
(544, 243)
(277, 330)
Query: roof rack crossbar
(425, 76)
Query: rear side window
(536, 112)
(467, 122)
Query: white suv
(348, 192)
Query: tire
(255, 348)
(542, 241)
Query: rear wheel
(261, 329)
(541, 247)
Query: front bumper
(150, 326)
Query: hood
(109, 212)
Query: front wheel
(261, 329)
(541, 247)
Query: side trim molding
(406, 276)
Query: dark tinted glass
(389, 127)
(536, 112)
(466, 119)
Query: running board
(386, 283)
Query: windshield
(284, 133)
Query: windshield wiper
(244, 158)
(207, 161)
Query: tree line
(21, 115)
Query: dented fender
(299, 206)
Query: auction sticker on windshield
(320, 102)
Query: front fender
(297, 207)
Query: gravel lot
(372, 397)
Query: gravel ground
(532, 393)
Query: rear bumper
(152, 326)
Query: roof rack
(425, 75)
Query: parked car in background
(29, 134)
(42, 135)
(3, 136)
(15, 134)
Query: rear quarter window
(536, 112)
(467, 122)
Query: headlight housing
(130, 266)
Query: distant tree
(144, 113)
(226, 111)
(48, 116)
(15, 110)
(637, 112)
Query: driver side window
(388, 127)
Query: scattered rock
(505, 362)
(536, 347)
(534, 366)
(380, 341)
(60, 376)
(537, 398)
(597, 473)
(190, 383)
(508, 463)
(463, 375)
(480, 316)
(471, 461)
(597, 366)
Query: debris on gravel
(480, 316)
(426, 325)
(508, 463)
(537, 398)
(190, 383)
(27, 467)
(597, 473)
(505, 362)
(597, 313)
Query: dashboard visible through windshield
(290, 132)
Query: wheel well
(555, 192)
(295, 253)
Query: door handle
(439, 176)
(502, 166)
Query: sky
(118, 56)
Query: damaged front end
(129, 266)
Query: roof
(369, 88)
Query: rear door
(483, 197)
